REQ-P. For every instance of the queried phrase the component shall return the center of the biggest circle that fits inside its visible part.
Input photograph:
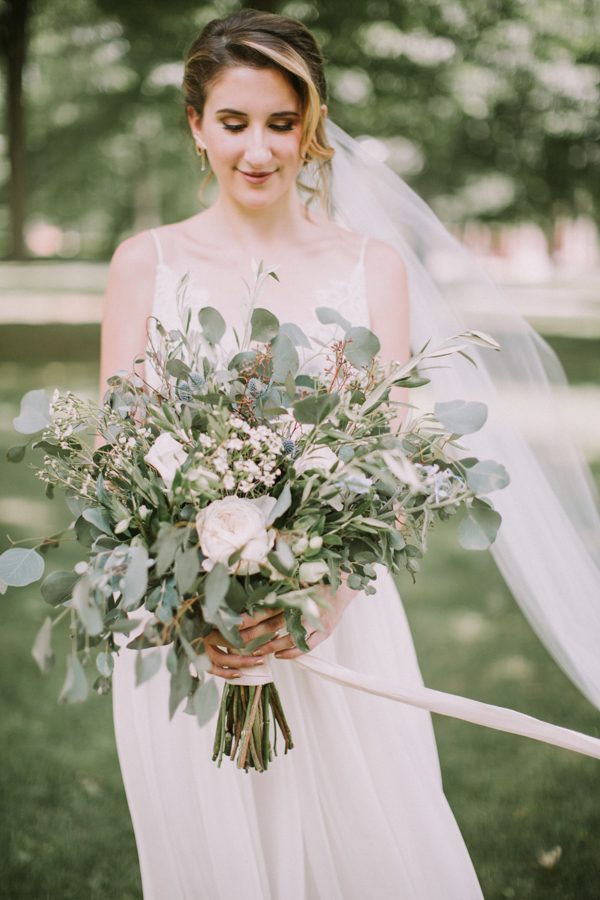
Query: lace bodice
(347, 295)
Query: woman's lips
(256, 178)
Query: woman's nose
(258, 151)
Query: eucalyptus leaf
(205, 701)
(486, 476)
(187, 565)
(283, 503)
(200, 661)
(84, 532)
(213, 324)
(296, 630)
(99, 518)
(181, 683)
(105, 663)
(135, 580)
(478, 530)
(19, 566)
(16, 454)
(461, 416)
(362, 345)
(165, 546)
(243, 360)
(42, 647)
(177, 368)
(295, 334)
(84, 603)
(75, 686)
(34, 414)
(329, 316)
(75, 505)
(216, 585)
(264, 325)
(314, 409)
(285, 358)
(147, 664)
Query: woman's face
(251, 129)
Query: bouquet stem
(243, 725)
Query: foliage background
(490, 110)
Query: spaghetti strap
(158, 246)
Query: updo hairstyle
(264, 40)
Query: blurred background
(491, 112)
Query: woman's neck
(281, 223)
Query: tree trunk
(13, 37)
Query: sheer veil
(548, 548)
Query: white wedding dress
(356, 809)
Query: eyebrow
(237, 112)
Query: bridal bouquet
(235, 483)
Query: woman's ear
(324, 110)
(195, 123)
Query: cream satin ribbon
(457, 707)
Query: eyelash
(279, 128)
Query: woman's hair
(264, 40)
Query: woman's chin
(254, 200)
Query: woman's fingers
(250, 621)
(264, 627)
(313, 640)
(224, 673)
(220, 658)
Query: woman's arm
(389, 310)
(127, 304)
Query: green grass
(65, 830)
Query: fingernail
(259, 662)
(257, 653)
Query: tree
(14, 22)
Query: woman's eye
(287, 127)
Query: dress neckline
(180, 269)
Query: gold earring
(200, 151)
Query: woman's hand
(285, 648)
(226, 662)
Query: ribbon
(456, 707)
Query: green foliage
(34, 414)
(213, 324)
(489, 111)
(264, 325)
(461, 416)
(19, 567)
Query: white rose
(315, 458)
(166, 455)
(236, 523)
(311, 572)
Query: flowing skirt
(356, 809)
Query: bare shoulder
(131, 276)
(135, 253)
(383, 260)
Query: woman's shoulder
(379, 254)
(134, 251)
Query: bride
(358, 808)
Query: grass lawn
(66, 831)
